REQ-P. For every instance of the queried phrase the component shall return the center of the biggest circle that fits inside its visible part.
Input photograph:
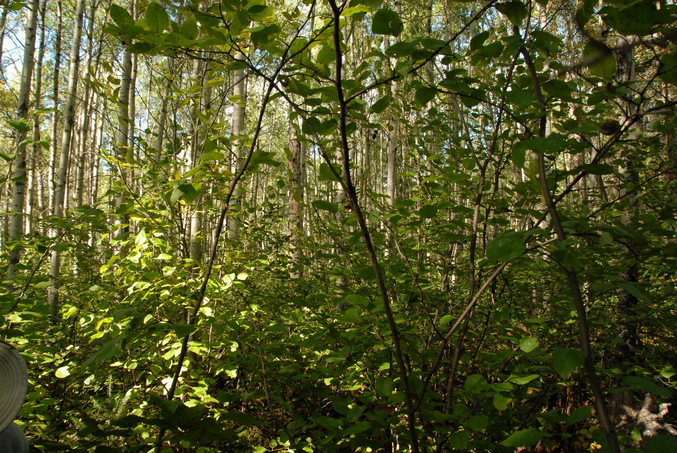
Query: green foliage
(286, 334)
(386, 22)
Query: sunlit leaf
(528, 344)
(524, 438)
(121, 16)
(156, 17)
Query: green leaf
(564, 361)
(518, 157)
(357, 428)
(528, 344)
(21, 125)
(548, 145)
(386, 22)
(141, 239)
(402, 49)
(189, 29)
(326, 206)
(352, 10)
(424, 95)
(644, 385)
(506, 247)
(62, 372)
(476, 383)
(351, 315)
(522, 380)
(668, 68)
(183, 330)
(381, 104)
(15, 6)
(263, 158)
(514, 10)
(501, 401)
(121, 17)
(140, 47)
(547, 42)
(597, 169)
(260, 12)
(186, 192)
(384, 387)
(662, 444)
(635, 289)
(326, 174)
(156, 17)
(326, 55)
(603, 63)
(579, 415)
(478, 40)
(637, 17)
(446, 319)
(460, 440)
(428, 211)
(524, 438)
(477, 423)
(262, 35)
(214, 155)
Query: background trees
(340, 227)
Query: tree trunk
(627, 302)
(162, 120)
(54, 144)
(86, 113)
(64, 161)
(36, 149)
(16, 227)
(122, 144)
(237, 129)
(3, 27)
(296, 181)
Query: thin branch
(572, 274)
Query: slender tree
(16, 228)
(64, 157)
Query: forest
(341, 225)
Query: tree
(22, 126)
(64, 156)
(352, 226)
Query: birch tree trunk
(237, 129)
(392, 141)
(3, 26)
(86, 112)
(16, 227)
(296, 192)
(627, 302)
(162, 120)
(124, 126)
(36, 149)
(202, 105)
(64, 161)
(51, 168)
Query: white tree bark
(64, 161)
(237, 129)
(16, 227)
